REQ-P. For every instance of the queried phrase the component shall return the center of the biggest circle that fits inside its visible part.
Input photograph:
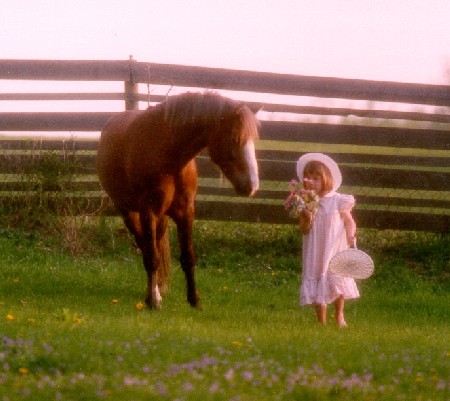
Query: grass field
(74, 327)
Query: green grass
(70, 328)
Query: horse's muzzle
(252, 194)
(246, 188)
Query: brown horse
(146, 164)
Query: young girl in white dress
(330, 230)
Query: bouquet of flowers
(300, 199)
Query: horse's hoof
(151, 305)
(196, 304)
(194, 299)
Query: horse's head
(232, 148)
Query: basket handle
(353, 244)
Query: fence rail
(217, 78)
(399, 172)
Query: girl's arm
(350, 226)
(305, 221)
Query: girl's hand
(351, 241)
(350, 227)
(306, 218)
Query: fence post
(131, 91)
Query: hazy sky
(395, 40)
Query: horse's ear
(254, 108)
(238, 109)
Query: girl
(330, 230)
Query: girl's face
(313, 182)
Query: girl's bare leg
(339, 312)
(321, 313)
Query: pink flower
(300, 199)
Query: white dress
(326, 237)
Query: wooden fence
(397, 163)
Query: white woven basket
(352, 263)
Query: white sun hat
(326, 160)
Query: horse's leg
(187, 260)
(151, 258)
(163, 245)
(182, 212)
(143, 226)
(187, 257)
(133, 223)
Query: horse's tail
(164, 269)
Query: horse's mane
(208, 109)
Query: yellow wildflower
(23, 371)
(115, 301)
(140, 306)
(10, 316)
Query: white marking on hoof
(156, 297)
